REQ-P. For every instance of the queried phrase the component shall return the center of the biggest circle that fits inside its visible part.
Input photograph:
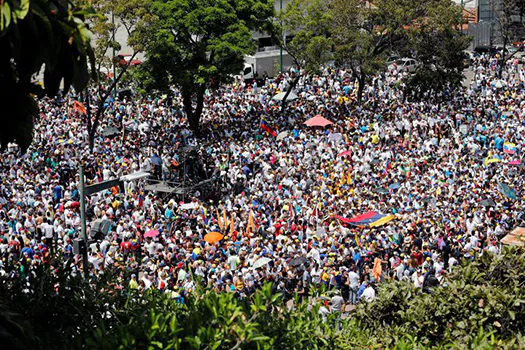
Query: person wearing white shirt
(451, 262)
(369, 294)
(493, 249)
(353, 277)
(315, 254)
(400, 270)
(416, 279)
(316, 275)
(181, 276)
(323, 311)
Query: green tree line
(199, 45)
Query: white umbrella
(279, 97)
(335, 137)
(261, 262)
(282, 135)
(499, 84)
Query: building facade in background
(498, 19)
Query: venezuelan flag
(371, 218)
(266, 128)
(509, 147)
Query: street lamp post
(83, 219)
(86, 191)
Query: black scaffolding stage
(189, 176)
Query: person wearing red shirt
(278, 227)
(125, 246)
(419, 257)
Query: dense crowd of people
(447, 169)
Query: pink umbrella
(318, 121)
(345, 153)
(152, 233)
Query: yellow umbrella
(213, 237)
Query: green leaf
(22, 10)
(158, 344)
(5, 16)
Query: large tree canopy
(436, 41)
(113, 15)
(34, 33)
(363, 34)
(193, 44)
(309, 22)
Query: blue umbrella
(156, 160)
(507, 190)
(394, 186)
(381, 190)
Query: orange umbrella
(213, 237)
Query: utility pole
(114, 63)
(83, 220)
(283, 38)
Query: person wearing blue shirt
(499, 142)
(362, 288)
(58, 193)
(168, 213)
(246, 170)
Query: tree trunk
(193, 115)
(361, 88)
(502, 62)
(91, 137)
(92, 128)
(92, 131)
(290, 88)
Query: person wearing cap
(337, 305)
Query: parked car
(405, 64)
(391, 60)
(490, 50)
(508, 50)
(125, 60)
(125, 93)
(469, 57)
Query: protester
(448, 169)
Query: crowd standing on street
(443, 166)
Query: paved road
(469, 76)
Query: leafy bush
(482, 306)
(54, 307)
(482, 300)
